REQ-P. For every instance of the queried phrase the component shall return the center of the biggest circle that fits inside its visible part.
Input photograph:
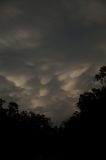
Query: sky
(50, 51)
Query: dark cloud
(49, 52)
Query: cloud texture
(49, 52)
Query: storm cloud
(50, 51)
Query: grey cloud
(87, 12)
(49, 52)
(9, 91)
(20, 39)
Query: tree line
(33, 135)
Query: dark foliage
(29, 135)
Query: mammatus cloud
(54, 95)
(50, 51)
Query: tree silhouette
(101, 76)
(1, 102)
(92, 103)
(87, 127)
(36, 136)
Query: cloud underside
(49, 52)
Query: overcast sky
(50, 51)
